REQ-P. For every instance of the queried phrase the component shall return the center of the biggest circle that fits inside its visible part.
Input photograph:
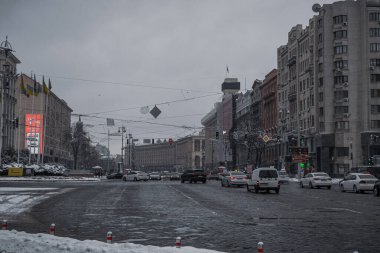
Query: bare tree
(77, 140)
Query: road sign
(266, 138)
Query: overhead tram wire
(128, 84)
(162, 103)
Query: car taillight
(245, 177)
(232, 178)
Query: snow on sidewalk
(21, 242)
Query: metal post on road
(122, 131)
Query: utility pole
(108, 157)
(122, 131)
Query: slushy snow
(21, 242)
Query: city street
(207, 216)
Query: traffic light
(217, 135)
(370, 161)
(302, 165)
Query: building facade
(268, 90)
(328, 86)
(190, 152)
(43, 115)
(9, 96)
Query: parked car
(136, 176)
(316, 179)
(234, 178)
(283, 177)
(376, 189)
(358, 182)
(165, 175)
(155, 176)
(264, 179)
(194, 176)
(175, 176)
(116, 175)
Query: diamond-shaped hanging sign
(155, 112)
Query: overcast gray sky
(118, 56)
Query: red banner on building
(34, 126)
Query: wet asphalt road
(209, 216)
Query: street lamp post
(122, 130)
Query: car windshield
(366, 177)
(268, 174)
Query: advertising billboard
(34, 133)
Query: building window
(320, 81)
(341, 34)
(374, 16)
(312, 100)
(321, 111)
(340, 79)
(342, 49)
(322, 126)
(374, 47)
(341, 151)
(375, 93)
(320, 96)
(340, 19)
(338, 95)
(341, 64)
(375, 123)
(375, 78)
(320, 52)
(342, 125)
(374, 32)
(375, 109)
(374, 62)
(320, 38)
(320, 67)
(339, 110)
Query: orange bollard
(4, 225)
(178, 243)
(260, 247)
(52, 229)
(109, 237)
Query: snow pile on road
(50, 178)
(45, 169)
(21, 242)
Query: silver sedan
(233, 178)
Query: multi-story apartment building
(268, 90)
(8, 96)
(329, 86)
(43, 115)
(243, 123)
(209, 121)
(224, 120)
(190, 152)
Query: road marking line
(344, 209)
(196, 202)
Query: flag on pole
(228, 71)
(44, 86)
(50, 85)
(22, 87)
(35, 87)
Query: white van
(264, 179)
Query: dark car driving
(116, 175)
(194, 176)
